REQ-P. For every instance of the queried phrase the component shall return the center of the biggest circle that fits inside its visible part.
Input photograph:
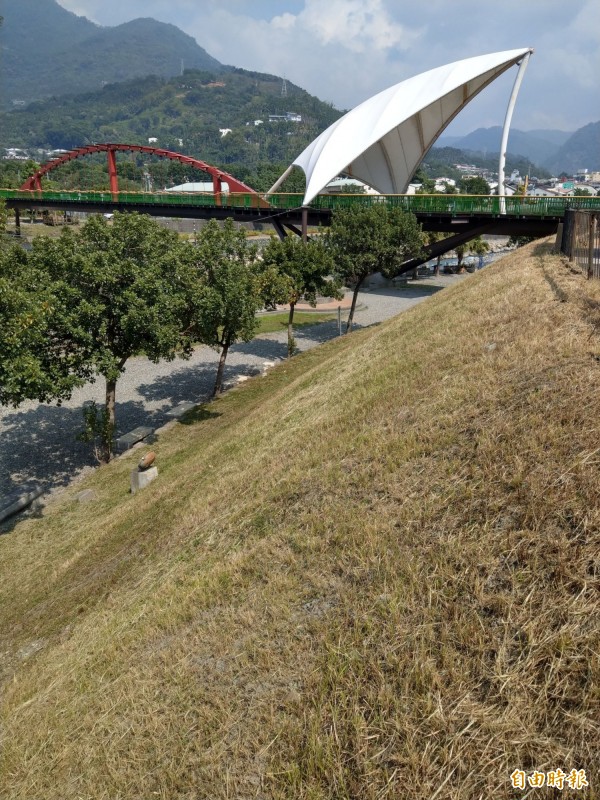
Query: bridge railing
(444, 204)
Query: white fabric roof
(383, 140)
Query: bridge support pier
(112, 173)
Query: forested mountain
(440, 161)
(46, 50)
(581, 150)
(188, 114)
(557, 151)
(522, 143)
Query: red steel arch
(34, 183)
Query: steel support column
(112, 173)
(506, 128)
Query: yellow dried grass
(372, 574)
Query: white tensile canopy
(383, 140)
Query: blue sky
(344, 51)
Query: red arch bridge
(462, 216)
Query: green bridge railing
(419, 203)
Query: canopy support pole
(280, 180)
(507, 120)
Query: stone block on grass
(139, 480)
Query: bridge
(382, 140)
(461, 216)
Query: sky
(344, 51)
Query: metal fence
(515, 205)
(581, 240)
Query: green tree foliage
(14, 173)
(37, 360)
(297, 270)
(86, 303)
(427, 183)
(229, 290)
(189, 108)
(369, 239)
(3, 218)
(476, 246)
(474, 186)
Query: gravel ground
(37, 441)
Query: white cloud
(357, 25)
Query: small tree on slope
(296, 271)
(229, 290)
(367, 239)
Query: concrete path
(37, 441)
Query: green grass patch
(271, 323)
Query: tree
(431, 237)
(460, 251)
(294, 271)
(101, 297)
(229, 293)
(477, 246)
(35, 361)
(370, 239)
(474, 186)
(583, 193)
(3, 219)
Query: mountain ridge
(553, 149)
(75, 55)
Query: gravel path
(37, 441)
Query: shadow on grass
(199, 414)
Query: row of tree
(80, 306)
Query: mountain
(550, 135)
(186, 113)
(46, 51)
(558, 151)
(580, 151)
(534, 146)
(441, 161)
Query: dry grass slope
(372, 574)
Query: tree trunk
(291, 330)
(220, 370)
(109, 426)
(436, 271)
(353, 306)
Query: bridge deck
(508, 215)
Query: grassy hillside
(372, 574)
